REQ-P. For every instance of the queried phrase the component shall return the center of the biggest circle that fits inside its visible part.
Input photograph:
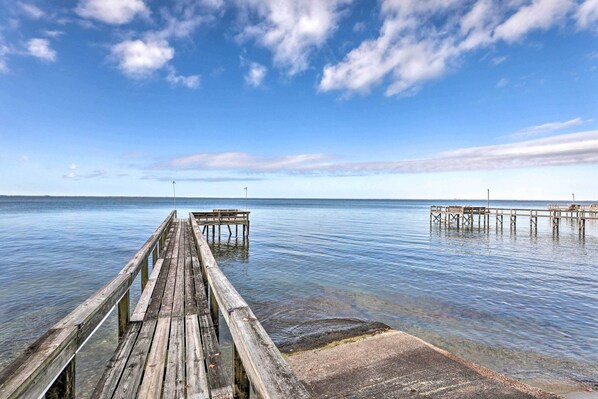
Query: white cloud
(567, 149)
(53, 33)
(4, 52)
(40, 48)
(547, 128)
(291, 29)
(498, 60)
(139, 58)
(116, 12)
(30, 10)
(256, 74)
(503, 82)
(421, 40)
(587, 13)
(92, 175)
(73, 166)
(25, 158)
(244, 161)
(191, 81)
(540, 14)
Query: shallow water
(525, 305)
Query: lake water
(524, 305)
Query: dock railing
(48, 366)
(258, 366)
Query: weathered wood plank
(64, 386)
(269, 373)
(109, 380)
(151, 386)
(190, 303)
(218, 381)
(178, 304)
(128, 386)
(146, 295)
(174, 380)
(168, 297)
(153, 309)
(197, 380)
(31, 373)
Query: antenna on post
(245, 197)
(174, 195)
(488, 200)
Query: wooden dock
(470, 217)
(223, 217)
(168, 345)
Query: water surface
(522, 304)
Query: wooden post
(215, 313)
(123, 314)
(236, 230)
(155, 255)
(241, 383)
(63, 387)
(144, 273)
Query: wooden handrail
(267, 371)
(35, 371)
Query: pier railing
(463, 216)
(257, 363)
(48, 366)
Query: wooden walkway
(170, 348)
(169, 344)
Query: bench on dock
(169, 346)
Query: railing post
(144, 273)
(63, 386)
(214, 311)
(155, 255)
(241, 381)
(123, 314)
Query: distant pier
(470, 217)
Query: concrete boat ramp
(392, 364)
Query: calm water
(523, 305)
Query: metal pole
(173, 194)
(245, 198)
(573, 197)
(488, 201)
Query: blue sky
(304, 98)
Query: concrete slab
(393, 364)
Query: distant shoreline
(293, 198)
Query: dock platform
(223, 217)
